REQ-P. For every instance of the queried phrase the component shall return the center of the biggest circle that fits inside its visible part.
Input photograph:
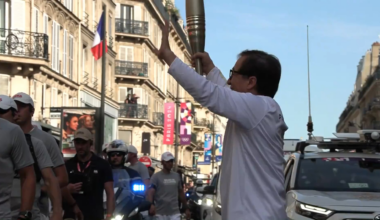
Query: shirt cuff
(177, 62)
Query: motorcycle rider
(123, 176)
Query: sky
(340, 32)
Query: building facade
(45, 51)
(363, 106)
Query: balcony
(130, 68)
(133, 111)
(369, 82)
(24, 44)
(158, 119)
(128, 26)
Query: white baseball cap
(132, 149)
(6, 103)
(24, 98)
(167, 156)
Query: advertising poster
(185, 125)
(72, 120)
(218, 147)
(207, 147)
(168, 123)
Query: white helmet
(117, 146)
(104, 147)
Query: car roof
(315, 155)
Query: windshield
(339, 174)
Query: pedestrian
(23, 118)
(43, 169)
(137, 165)
(89, 177)
(14, 156)
(164, 191)
(253, 140)
(151, 171)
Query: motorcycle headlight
(313, 212)
(118, 217)
(138, 188)
(199, 202)
(207, 202)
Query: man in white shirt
(252, 180)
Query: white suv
(341, 184)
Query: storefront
(110, 129)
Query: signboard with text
(169, 111)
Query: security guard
(89, 176)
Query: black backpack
(37, 170)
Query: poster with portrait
(207, 148)
(73, 119)
(218, 147)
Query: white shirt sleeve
(245, 109)
(215, 76)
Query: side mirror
(207, 190)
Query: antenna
(310, 121)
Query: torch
(196, 28)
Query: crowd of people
(38, 184)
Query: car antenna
(310, 120)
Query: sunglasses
(116, 154)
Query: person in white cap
(43, 169)
(14, 155)
(137, 165)
(25, 105)
(164, 191)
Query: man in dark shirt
(89, 176)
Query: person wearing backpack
(43, 170)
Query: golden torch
(196, 28)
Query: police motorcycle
(195, 201)
(128, 185)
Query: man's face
(168, 165)
(73, 123)
(88, 123)
(238, 81)
(24, 113)
(116, 158)
(82, 147)
(130, 156)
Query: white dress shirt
(252, 179)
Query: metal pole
(103, 84)
(213, 145)
(176, 145)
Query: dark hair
(2, 111)
(267, 69)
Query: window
(45, 23)
(126, 136)
(36, 13)
(75, 102)
(126, 12)
(122, 94)
(55, 46)
(108, 78)
(339, 174)
(2, 14)
(34, 90)
(110, 23)
(64, 53)
(4, 85)
(126, 53)
(71, 57)
(84, 62)
(65, 99)
(93, 72)
(54, 97)
(69, 4)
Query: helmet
(117, 146)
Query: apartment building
(45, 51)
(363, 106)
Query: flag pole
(103, 83)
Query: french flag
(99, 40)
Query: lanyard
(79, 169)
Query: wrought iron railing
(24, 43)
(110, 41)
(85, 19)
(137, 111)
(131, 68)
(158, 118)
(95, 83)
(129, 26)
(368, 82)
(200, 122)
(194, 138)
(85, 78)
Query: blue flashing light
(138, 188)
(187, 194)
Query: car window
(339, 174)
(214, 180)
